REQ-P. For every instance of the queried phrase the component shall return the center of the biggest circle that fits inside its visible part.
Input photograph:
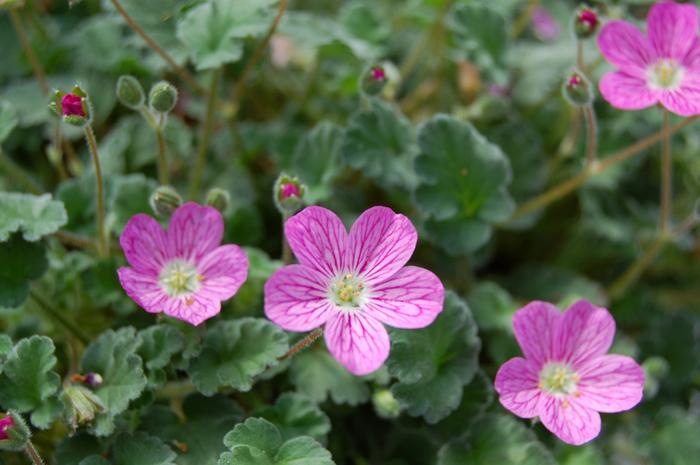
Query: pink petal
(144, 244)
(318, 239)
(193, 309)
(585, 332)
(535, 327)
(627, 92)
(612, 383)
(357, 341)
(296, 298)
(143, 289)
(194, 231)
(224, 270)
(684, 101)
(672, 28)
(623, 45)
(412, 298)
(516, 385)
(380, 243)
(570, 421)
(692, 58)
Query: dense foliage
(463, 115)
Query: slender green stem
(102, 248)
(287, 257)
(591, 135)
(621, 284)
(413, 57)
(303, 344)
(16, 173)
(163, 172)
(58, 316)
(580, 64)
(32, 453)
(207, 125)
(29, 51)
(666, 176)
(570, 185)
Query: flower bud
(385, 404)
(130, 92)
(373, 80)
(73, 107)
(586, 22)
(93, 380)
(81, 404)
(162, 97)
(14, 432)
(577, 89)
(165, 200)
(219, 199)
(288, 194)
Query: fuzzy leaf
(28, 382)
(34, 215)
(483, 34)
(141, 449)
(113, 356)
(316, 160)
(296, 415)
(463, 179)
(22, 262)
(234, 352)
(130, 196)
(316, 374)
(8, 120)
(158, 344)
(378, 141)
(434, 364)
(496, 439)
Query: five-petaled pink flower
(663, 66)
(72, 105)
(5, 424)
(353, 283)
(566, 378)
(183, 272)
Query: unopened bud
(81, 404)
(373, 80)
(577, 89)
(130, 92)
(73, 107)
(14, 432)
(586, 22)
(288, 194)
(162, 97)
(165, 200)
(219, 199)
(385, 404)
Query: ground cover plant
(303, 232)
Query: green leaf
(379, 142)
(8, 120)
(94, 460)
(73, 449)
(34, 215)
(22, 262)
(213, 31)
(482, 33)
(234, 352)
(130, 196)
(463, 179)
(158, 344)
(434, 364)
(113, 356)
(141, 449)
(249, 298)
(316, 160)
(28, 382)
(316, 374)
(674, 439)
(259, 442)
(295, 415)
(496, 439)
(492, 306)
(5, 347)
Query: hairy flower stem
(591, 135)
(580, 64)
(102, 247)
(561, 190)
(32, 453)
(287, 257)
(666, 176)
(29, 51)
(302, 344)
(179, 70)
(16, 173)
(59, 317)
(207, 125)
(163, 172)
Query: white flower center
(665, 74)
(558, 379)
(348, 291)
(179, 278)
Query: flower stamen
(180, 277)
(665, 74)
(347, 291)
(558, 379)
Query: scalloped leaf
(8, 120)
(158, 343)
(141, 449)
(435, 363)
(234, 352)
(316, 160)
(22, 262)
(34, 215)
(296, 415)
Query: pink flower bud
(289, 189)
(72, 105)
(5, 424)
(378, 73)
(586, 22)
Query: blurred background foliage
(304, 108)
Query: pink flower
(544, 24)
(72, 105)
(566, 378)
(353, 284)
(5, 424)
(289, 189)
(182, 272)
(662, 66)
